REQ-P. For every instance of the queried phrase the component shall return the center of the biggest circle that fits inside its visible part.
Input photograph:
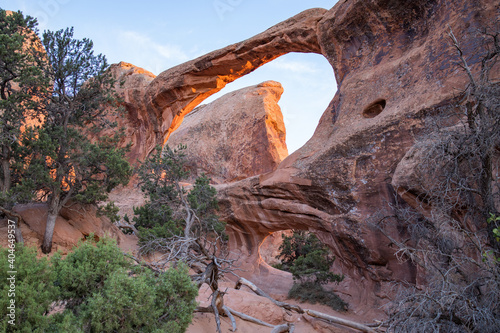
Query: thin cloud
(154, 56)
(293, 66)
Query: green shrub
(84, 271)
(309, 260)
(314, 293)
(100, 290)
(314, 267)
(125, 304)
(175, 296)
(34, 290)
(65, 322)
(155, 220)
(142, 303)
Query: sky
(157, 35)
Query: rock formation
(395, 69)
(239, 135)
(177, 91)
(140, 127)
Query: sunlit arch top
(177, 91)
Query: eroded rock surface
(178, 90)
(239, 135)
(141, 130)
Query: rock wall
(141, 130)
(395, 68)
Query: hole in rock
(309, 86)
(374, 109)
(270, 247)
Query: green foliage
(64, 163)
(492, 255)
(121, 297)
(23, 87)
(163, 304)
(494, 221)
(314, 293)
(155, 221)
(203, 200)
(170, 208)
(34, 290)
(161, 173)
(84, 271)
(175, 296)
(65, 322)
(110, 210)
(80, 81)
(307, 258)
(101, 290)
(309, 261)
(315, 267)
(106, 297)
(297, 245)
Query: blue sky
(157, 35)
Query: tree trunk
(6, 176)
(51, 223)
(17, 219)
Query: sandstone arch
(381, 50)
(177, 91)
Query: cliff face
(394, 67)
(140, 128)
(239, 135)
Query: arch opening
(269, 249)
(309, 85)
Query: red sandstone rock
(394, 67)
(141, 130)
(239, 135)
(177, 91)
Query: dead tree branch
(340, 321)
(260, 292)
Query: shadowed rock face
(140, 128)
(394, 68)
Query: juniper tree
(23, 88)
(175, 216)
(64, 162)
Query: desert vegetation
(57, 110)
(95, 288)
(55, 94)
(309, 261)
